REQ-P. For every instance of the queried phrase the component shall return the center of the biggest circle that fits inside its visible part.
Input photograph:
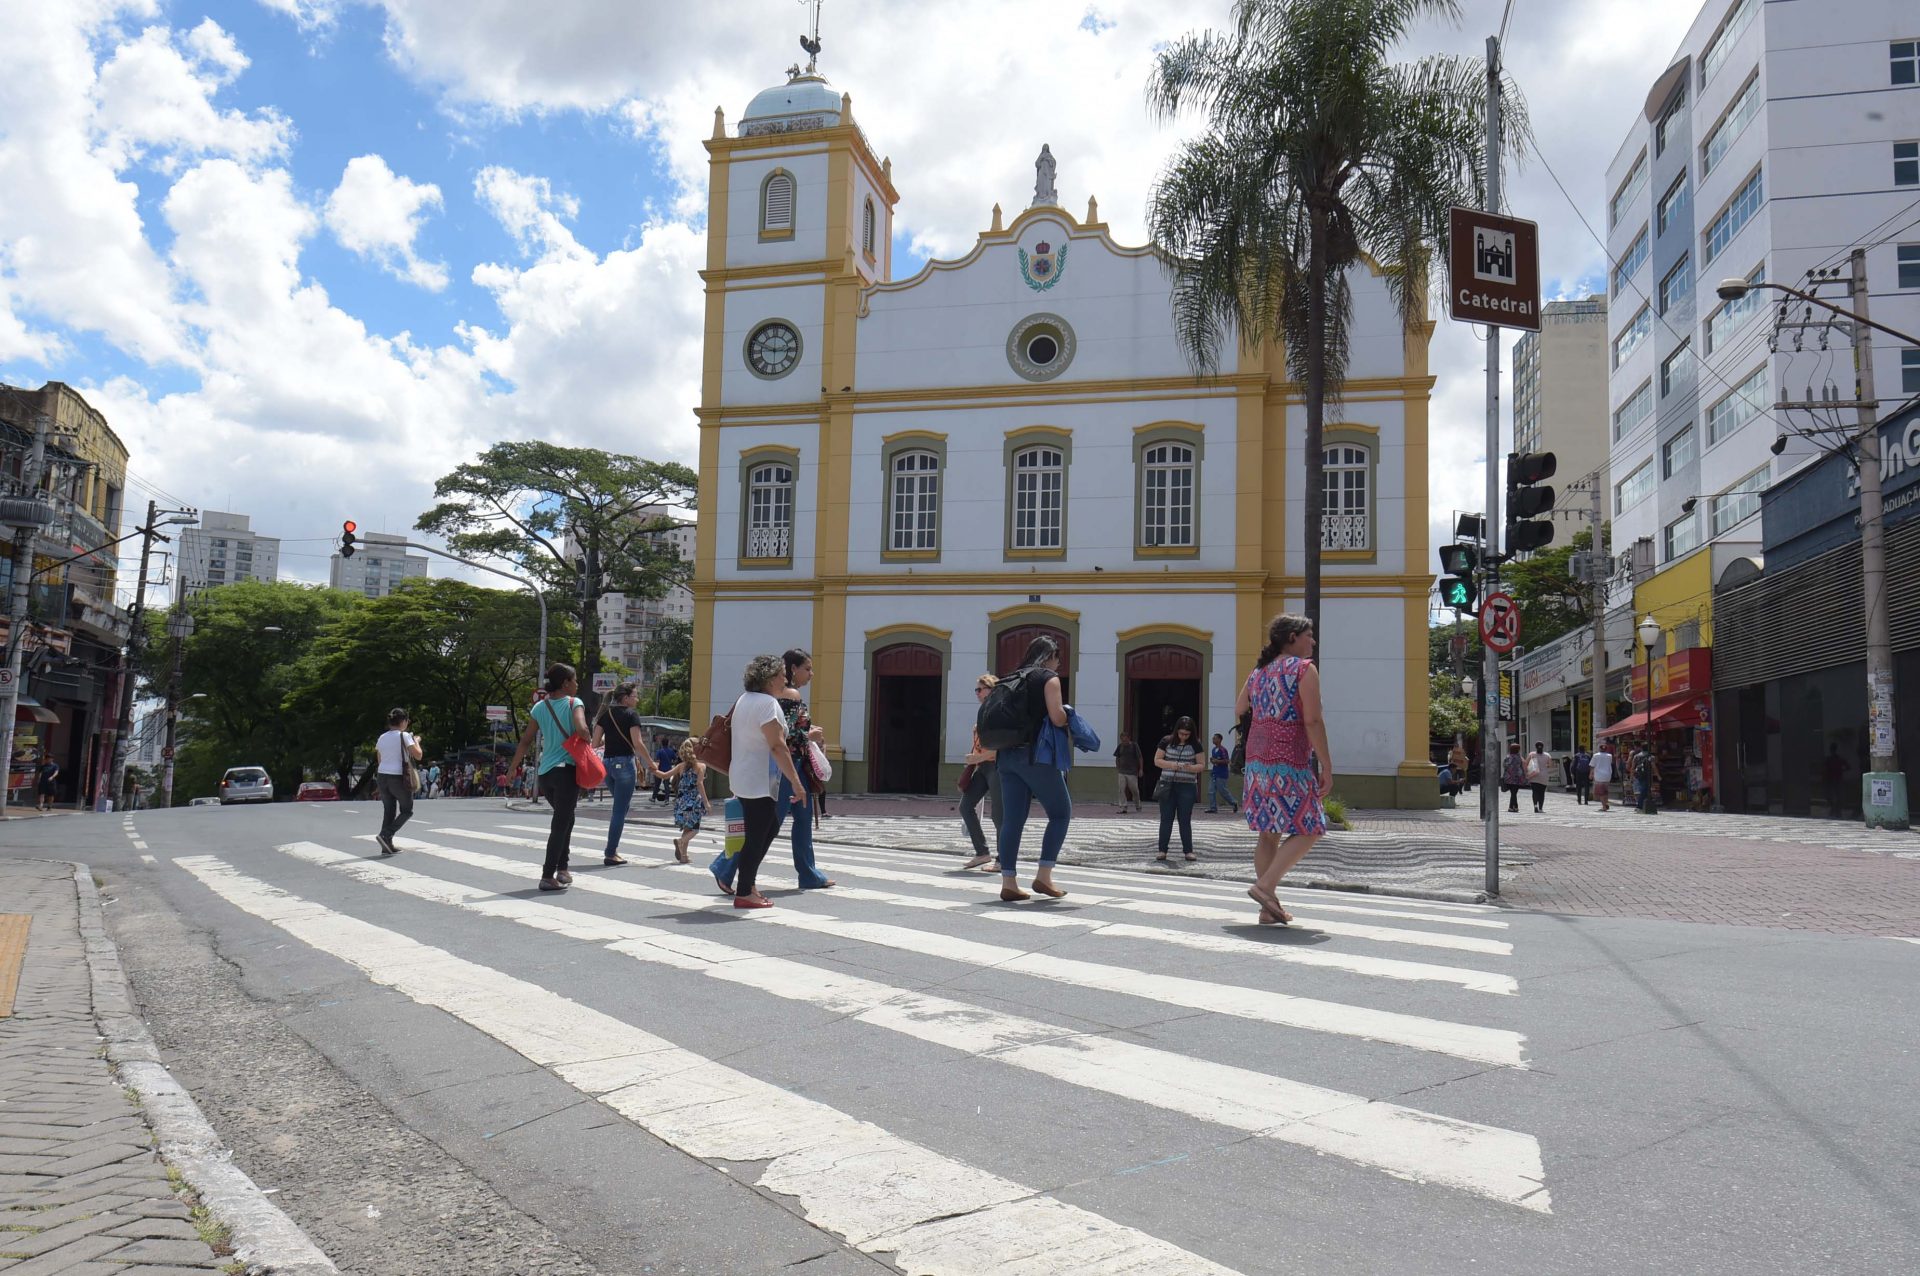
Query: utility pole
(1490, 757)
(27, 512)
(179, 628)
(1883, 792)
(1597, 574)
(130, 654)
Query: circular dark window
(1040, 347)
(1043, 349)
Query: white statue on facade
(1043, 168)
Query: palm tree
(1319, 154)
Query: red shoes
(751, 901)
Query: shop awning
(1677, 712)
(28, 707)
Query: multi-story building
(380, 562)
(913, 478)
(71, 672)
(1560, 387)
(628, 624)
(1782, 136)
(225, 549)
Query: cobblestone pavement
(1752, 870)
(82, 1192)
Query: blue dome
(807, 101)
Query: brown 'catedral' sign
(1493, 269)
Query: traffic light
(347, 530)
(1457, 589)
(1528, 497)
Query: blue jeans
(1176, 803)
(1222, 788)
(1022, 780)
(810, 877)
(621, 782)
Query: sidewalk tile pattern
(81, 1188)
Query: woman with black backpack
(1010, 720)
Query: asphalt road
(440, 1068)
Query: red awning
(1677, 712)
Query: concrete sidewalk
(83, 1188)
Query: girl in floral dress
(689, 780)
(1288, 764)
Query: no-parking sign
(1500, 623)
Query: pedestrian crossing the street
(1334, 1038)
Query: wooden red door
(903, 738)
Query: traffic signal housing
(1457, 588)
(347, 529)
(1529, 497)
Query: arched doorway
(1162, 685)
(1013, 644)
(903, 738)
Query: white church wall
(1364, 678)
(743, 629)
(748, 308)
(738, 440)
(809, 242)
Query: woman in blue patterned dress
(1288, 764)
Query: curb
(264, 1238)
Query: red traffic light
(349, 526)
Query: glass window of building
(1731, 314)
(1166, 508)
(1634, 488)
(1630, 262)
(1907, 259)
(1633, 413)
(1734, 216)
(1675, 367)
(1905, 58)
(1746, 401)
(1673, 201)
(1669, 119)
(1349, 477)
(1677, 453)
(1039, 489)
(1632, 335)
(1681, 536)
(1677, 284)
(1906, 163)
(1739, 502)
(1910, 372)
(1714, 56)
(770, 511)
(1630, 186)
(915, 514)
(1731, 124)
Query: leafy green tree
(1448, 712)
(669, 660)
(579, 521)
(1552, 602)
(236, 671)
(1319, 155)
(442, 649)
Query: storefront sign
(1818, 508)
(1583, 724)
(1682, 671)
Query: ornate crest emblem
(1044, 266)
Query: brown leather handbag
(715, 748)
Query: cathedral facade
(912, 477)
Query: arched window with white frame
(914, 502)
(776, 204)
(1166, 505)
(1346, 519)
(770, 511)
(1039, 498)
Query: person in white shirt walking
(395, 749)
(1603, 774)
(1539, 767)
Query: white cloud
(529, 209)
(378, 214)
(154, 101)
(310, 14)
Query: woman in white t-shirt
(760, 760)
(394, 748)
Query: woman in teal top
(553, 720)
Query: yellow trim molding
(1156, 630)
(908, 630)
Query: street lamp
(1649, 632)
(1883, 797)
(179, 628)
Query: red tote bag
(589, 768)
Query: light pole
(1649, 633)
(1883, 788)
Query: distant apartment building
(1560, 388)
(628, 624)
(380, 563)
(1780, 137)
(225, 549)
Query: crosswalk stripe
(1499, 1047)
(1350, 963)
(884, 1194)
(1488, 1161)
(979, 887)
(1148, 884)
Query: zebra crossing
(907, 949)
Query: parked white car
(246, 784)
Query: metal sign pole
(1490, 757)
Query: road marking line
(884, 1194)
(1495, 1046)
(1503, 1165)
(148, 859)
(1904, 939)
(1351, 963)
(978, 889)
